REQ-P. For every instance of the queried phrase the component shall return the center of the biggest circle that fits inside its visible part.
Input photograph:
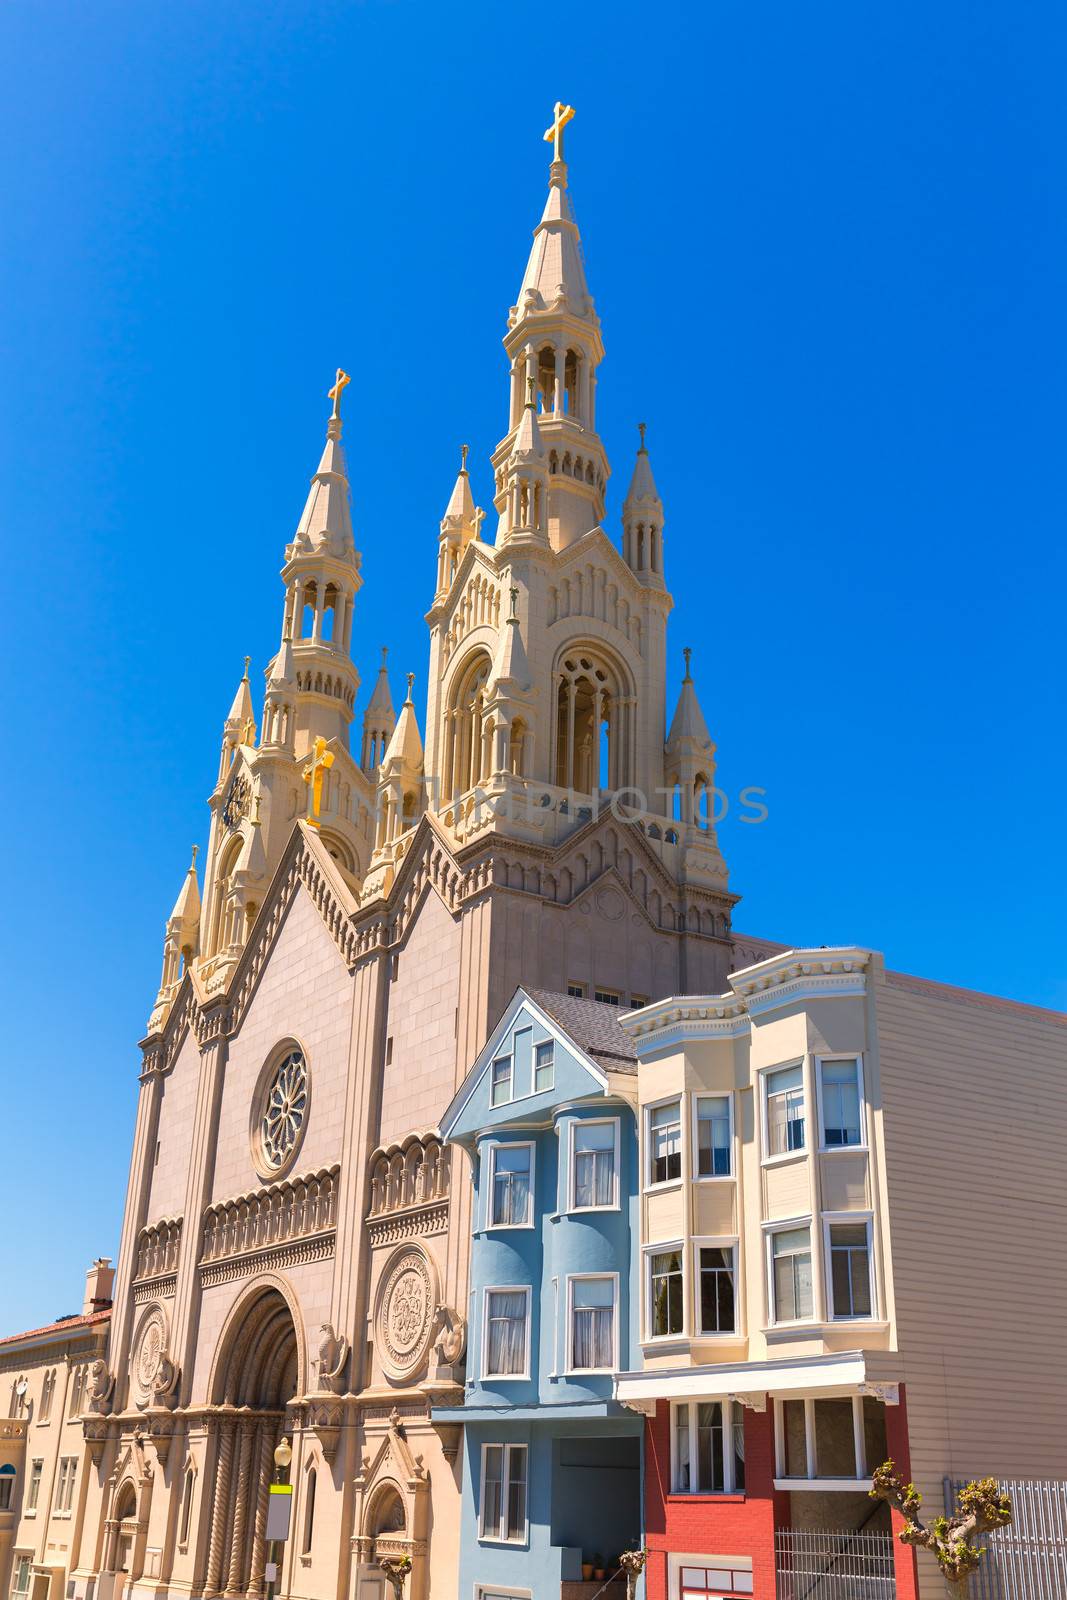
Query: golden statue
(320, 763)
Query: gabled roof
(592, 1025)
(61, 1327)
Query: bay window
(594, 1165)
(507, 1317)
(784, 1091)
(713, 1136)
(503, 1511)
(850, 1269)
(842, 1119)
(665, 1142)
(666, 1293)
(791, 1292)
(707, 1447)
(592, 1334)
(836, 1440)
(511, 1172)
(717, 1297)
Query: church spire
(322, 579)
(642, 520)
(553, 340)
(180, 941)
(689, 756)
(240, 725)
(379, 720)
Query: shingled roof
(592, 1025)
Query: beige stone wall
(423, 1001)
(170, 1168)
(975, 1106)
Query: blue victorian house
(551, 1463)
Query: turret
(689, 755)
(401, 791)
(180, 941)
(240, 725)
(509, 700)
(523, 504)
(460, 524)
(379, 720)
(642, 520)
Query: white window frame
(712, 1177)
(782, 1156)
(616, 1176)
(492, 1146)
(849, 1218)
(506, 1288)
(67, 1476)
(18, 1558)
(8, 1479)
(812, 1480)
(733, 1564)
(508, 1446)
(789, 1226)
(710, 1242)
(668, 1247)
(592, 1277)
(34, 1486)
(495, 1591)
(732, 1413)
(509, 1057)
(842, 1149)
(648, 1184)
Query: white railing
(1027, 1560)
(834, 1564)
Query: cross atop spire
(335, 393)
(554, 134)
(641, 426)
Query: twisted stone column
(220, 1508)
(267, 1434)
(247, 1429)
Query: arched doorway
(257, 1372)
(385, 1533)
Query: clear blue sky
(828, 247)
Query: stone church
(294, 1252)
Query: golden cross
(464, 452)
(641, 426)
(320, 763)
(687, 653)
(554, 135)
(335, 392)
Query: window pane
(850, 1271)
(709, 1447)
(840, 1103)
(716, 1290)
(791, 1251)
(666, 1142)
(667, 1293)
(713, 1136)
(594, 1164)
(543, 1066)
(506, 1320)
(875, 1446)
(516, 1528)
(739, 1445)
(681, 1448)
(500, 1092)
(511, 1185)
(835, 1439)
(593, 1334)
(492, 1482)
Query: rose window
(284, 1109)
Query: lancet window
(468, 732)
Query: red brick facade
(741, 1524)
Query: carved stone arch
(238, 1328)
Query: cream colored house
(47, 1381)
(852, 1248)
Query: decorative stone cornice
(318, 1247)
(414, 1222)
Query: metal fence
(834, 1564)
(1027, 1560)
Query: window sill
(827, 1485)
(788, 1330)
(664, 1343)
(588, 1211)
(716, 1177)
(504, 1544)
(663, 1188)
(682, 1497)
(844, 1149)
(786, 1157)
(505, 1227)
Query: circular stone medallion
(149, 1355)
(406, 1306)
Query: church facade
(294, 1253)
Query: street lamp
(279, 1510)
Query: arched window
(307, 615)
(7, 1487)
(467, 753)
(591, 711)
(48, 1388)
(516, 748)
(309, 1513)
(570, 383)
(222, 933)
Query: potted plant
(598, 1566)
(587, 1571)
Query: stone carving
(405, 1314)
(284, 1111)
(326, 1421)
(154, 1374)
(101, 1387)
(451, 1341)
(333, 1355)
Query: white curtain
(594, 1319)
(507, 1333)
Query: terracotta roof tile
(61, 1325)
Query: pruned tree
(396, 1569)
(632, 1563)
(980, 1507)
